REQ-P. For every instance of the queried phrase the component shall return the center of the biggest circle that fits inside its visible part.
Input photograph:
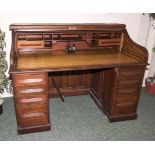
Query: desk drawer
(131, 71)
(29, 104)
(31, 90)
(134, 80)
(31, 107)
(26, 79)
(32, 110)
(126, 99)
(127, 90)
(31, 99)
(125, 104)
(30, 44)
(130, 76)
(33, 119)
(125, 109)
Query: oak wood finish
(106, 64)
(77, 60)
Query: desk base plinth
(39, 128)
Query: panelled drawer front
(33, 119)
(126, 100)
(32, 110)
(30, 90)
(131, 71)
(32, 99)
(125, 104)
(31, 104)
(127, 90)
(122, 109)
(134, 80)
(33, 107)
(27, 79)
(130, 76)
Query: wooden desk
(103, 62)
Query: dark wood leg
(57, 88)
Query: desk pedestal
(31, 102)
(116, 91)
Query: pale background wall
(138, 25)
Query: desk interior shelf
(58, 41)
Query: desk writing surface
(77, 59)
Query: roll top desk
(57, 60)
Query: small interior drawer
(26, 79)
(108, 42)
(30, 44)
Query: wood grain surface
(97, 57)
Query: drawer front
(31, 99)
(131, 71)
(131, 76)
(30, 44)
(127, 90)
(33, 119)
(31, 104)
(126, 100)
(30, 90)
(32, 107)
(124, 109)
(32, 110)
(27, 79)
(128, 80)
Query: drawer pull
(31, 90)
(32, 100)
(36, 114)
(125, 104)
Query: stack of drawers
(31, 101)
(129, 82)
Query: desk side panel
(133, 49)
(102, 88)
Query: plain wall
(137, 24)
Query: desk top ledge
(17, 26)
